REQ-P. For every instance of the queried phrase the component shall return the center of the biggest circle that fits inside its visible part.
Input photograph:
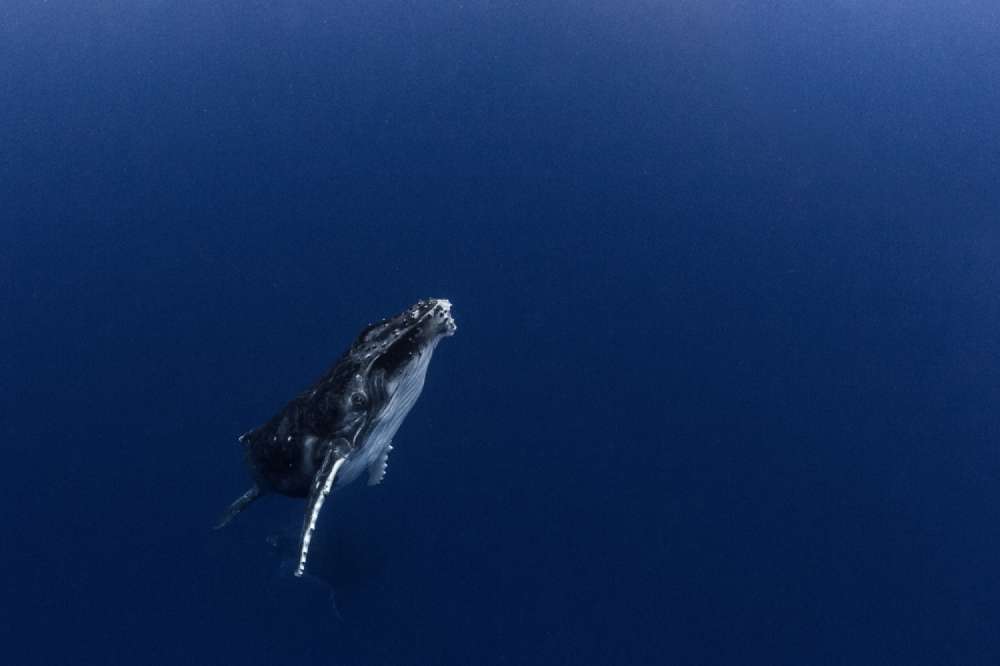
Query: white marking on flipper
(314, 515)
(376, 471)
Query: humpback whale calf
(344, 424)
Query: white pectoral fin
(322, 486)
(376, 471)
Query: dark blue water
(726, 379)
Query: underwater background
(725, 383)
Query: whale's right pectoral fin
(237, 506)
(322, 485)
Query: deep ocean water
(725, 384)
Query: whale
(342, 426)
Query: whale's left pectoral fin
(243, 502)
(322, 485)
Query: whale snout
(440, 317)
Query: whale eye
(359, 400)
